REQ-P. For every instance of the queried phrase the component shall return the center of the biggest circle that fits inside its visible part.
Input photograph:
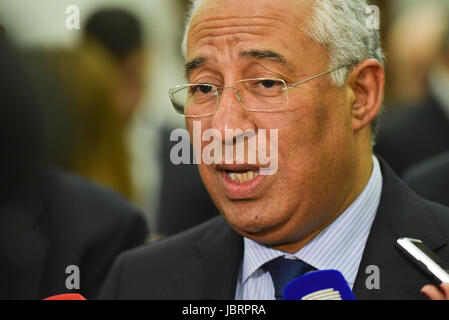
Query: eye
(266, 86)
(268, 83)
(201, 88)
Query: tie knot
(283, 271)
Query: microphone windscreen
(66, 296)
(319, 285)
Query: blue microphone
(319, 285)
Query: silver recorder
(425, 259)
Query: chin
(251, 223)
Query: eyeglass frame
(240, 100)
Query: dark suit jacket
(430, 179)
(59, 220)
(203, 263)
(411, 134)
(193, 204)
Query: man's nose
(231, 115)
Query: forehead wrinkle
(204, 35)
(242, 25)
(235, 32)
(216, 26)
(215, 21)
(263, 16)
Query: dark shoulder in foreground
(66, 187)
(89, 226)
(138, 272)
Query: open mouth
(242, 177)
(241, 181)
(240, 173)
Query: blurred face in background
(317, 151)
(132, 70)
(414, 47)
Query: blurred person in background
(430, 178)
(120, 33)
(96, 146)
(183, 199)
(50, 219)
(414, 43)
(418, 128)
(104, 79)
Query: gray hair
(341, 26)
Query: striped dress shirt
(339, 246)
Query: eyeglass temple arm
(317, 76)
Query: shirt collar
(339, 246)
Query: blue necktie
(283, 271)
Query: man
(330, 204)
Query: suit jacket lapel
(400, 214)
(214, 274)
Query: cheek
(319, 124)
(195, 128)
(312, 141)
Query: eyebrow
(192, 65)
(258, 54)
(264, 54)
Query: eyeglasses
(257, 95)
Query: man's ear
(367, 81)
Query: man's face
(316, 148)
